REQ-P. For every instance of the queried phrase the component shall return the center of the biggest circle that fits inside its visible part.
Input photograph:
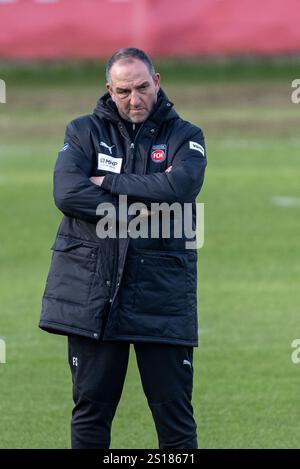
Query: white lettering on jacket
(197, 146)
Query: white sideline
(285, 201)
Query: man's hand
(97, 180)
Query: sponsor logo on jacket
(197, 146)
(109, 163)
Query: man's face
(133, 89)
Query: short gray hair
(128, 53)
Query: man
(108, 292)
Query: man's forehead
(133, 72)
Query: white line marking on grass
(285, 201)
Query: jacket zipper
(115, 283)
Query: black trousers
(98, 374)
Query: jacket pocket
(72, 271)
(161, 286)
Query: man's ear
(109, 89)
(156, 79)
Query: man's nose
(135, 99)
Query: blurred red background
(44, 29)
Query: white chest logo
(108, 163)
(103, 144)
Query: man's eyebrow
(143, 84)
(120, 90)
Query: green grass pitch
(246, 390)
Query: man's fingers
(97, 180)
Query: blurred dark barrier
(31, 29)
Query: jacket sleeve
(182, 184)
(74, 194)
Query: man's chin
(137, 117)
(137, 121)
